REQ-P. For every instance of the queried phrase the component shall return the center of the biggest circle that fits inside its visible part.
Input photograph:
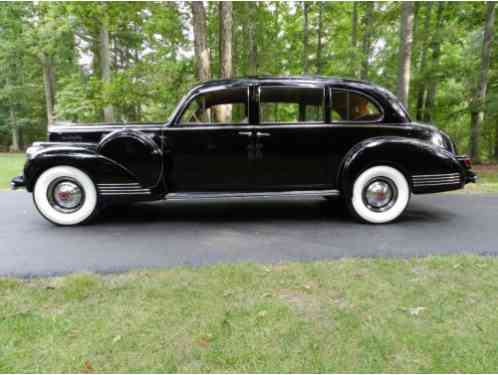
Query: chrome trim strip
(242, 195)
(437, 175)
(127, 193)
(439, 179)
(302, 125)
(437, 184)
(123, 184)
(434, 178)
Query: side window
(228, 106)
(291, 104)
(352, 106)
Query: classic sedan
(255, 137)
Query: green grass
(437, 314)
(11, 165)
(488, 180)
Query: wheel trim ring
(51, 190)
(393, 192)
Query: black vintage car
(255, 137)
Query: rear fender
(409, 156)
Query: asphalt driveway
(200, 232)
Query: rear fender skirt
(412, 157)
(137, 152)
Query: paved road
(197, 233)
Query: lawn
(11, 165)
(436, 314)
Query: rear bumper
(17, 183)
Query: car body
(252, 137)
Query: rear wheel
(65, 196)
(380, 195)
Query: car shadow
(253, 210)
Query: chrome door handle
(261, 134)
(247, 134)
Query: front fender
(412, 157)
(98, 167)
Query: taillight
(467, 163)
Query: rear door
(292, 139)
(207, 148)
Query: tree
(305, 37)
(421, 87)
(436, 55)
(405, 50)
(202, 53)
(354, 38)
(366, 43)
(319, 39)
(477, 112)
(225, 13)
(251, 35)
(225, 8)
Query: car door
(206, 148)
(293, 141)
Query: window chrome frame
(352, 122)
(179, 125)
(291, 86)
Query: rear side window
(281, 104)
(353, 107)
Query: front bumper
(17, 183)
(466, 164)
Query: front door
(206, 149)
(294, 142)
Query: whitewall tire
(380, 195)
(65, 195)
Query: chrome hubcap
(380, 195)
(65, 196)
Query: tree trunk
(225, 39)
(319, 40)
(202, 53)
(105, 67)
(354, 38)
(422, 66)
(405, 50)
(436, 54)
(253, 47)
(496, 138)
(477, 110)
(367, 26)
(305, 37)
(49, 86)
(225, 15)
(14, 147)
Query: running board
(260, 194)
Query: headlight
(437, 139)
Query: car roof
(283, 79)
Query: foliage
(152, 57)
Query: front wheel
(380, 195)
(65, 196)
